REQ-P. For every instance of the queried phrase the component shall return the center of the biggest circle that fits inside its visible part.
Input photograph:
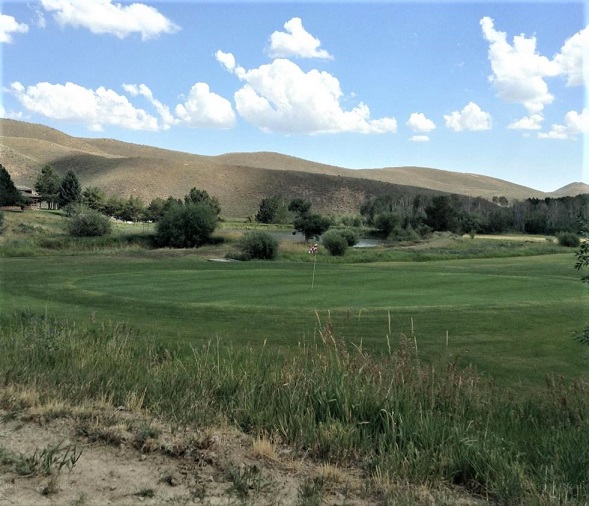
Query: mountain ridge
(239, 180)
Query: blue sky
(491, 88)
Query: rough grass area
(391, 419)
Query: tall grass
(397, 419)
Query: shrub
(258, 245)
(335, 243)
(1, 222)
(186, 226)
(86, 222)
(350, 236)
(569, 240)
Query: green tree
(94, 198)
(1, 222)
(196, 196)
(133, 209)
(114, 206)
(47, 185)
(299, 206)
(158, 206)
(186, 226)
(385, 223)
(70, 190)
(272, 210)
(9, 195)
(441, 215)
(311, 225)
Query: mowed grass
(513, 318)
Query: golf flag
(314, 248)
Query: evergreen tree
(9, 195)
(196, 196)
(70, 190)
(47, 185)
(272, 210)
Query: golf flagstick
(313, 251)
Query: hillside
(238, 180)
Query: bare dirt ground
(54, 454)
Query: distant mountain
(238, 180)
(571, 190)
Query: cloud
(518, 69)
(471, 118)
(419, 138)
(296, 42)
(8, 26)
(93, 108)
(102, 16)
(226, 59)
(574, 124)
(533, 122)
(280, 97)
(419, 123)
(204, 109)
(570, 58)
(163, 110)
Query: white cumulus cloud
(418, 122)
(295, 42)
(574, 124)
(8, 26)
(518, 69)
(570, 59)
(74, 103)
(102, 16)
(471, 118)
(205, 109)
(163, 110)
(281, 97)
(532, 122)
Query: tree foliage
(299, 206)
(311, 225)
(272, 210)
(94, 197)
(9, 195)
(70, 190)
(186, 226)
(47, 185)
(196, 196)
(258, 245)
(386, 222)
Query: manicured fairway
(513, 318)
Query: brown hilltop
(238, 180)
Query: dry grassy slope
(239, 180)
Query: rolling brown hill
(238, 180)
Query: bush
(569, 240)
(86, 222)
(350, 236)
(335, 243)
(186, 226)
(1, 222)
(258, 245)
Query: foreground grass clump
(398, 420)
